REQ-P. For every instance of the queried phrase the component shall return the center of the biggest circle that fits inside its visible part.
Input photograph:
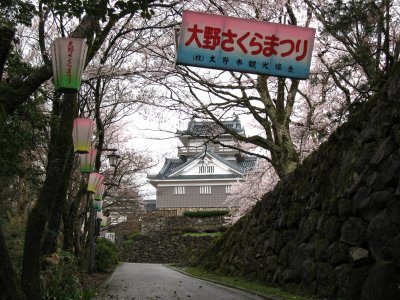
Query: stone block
(383, 282)
(343, 276)
(358, 253)
(338, 253)
(382, 231)
(321, 247)
(332, 229)
(372, 205)
(354, 231)
(395, 245)
(308, 271)
(360, 196)
(344, 208)
(271, 263)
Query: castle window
(205, 189)
(179, 190)
(228, 189)
(204, 169)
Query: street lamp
(113, 159)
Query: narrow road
(134, 281)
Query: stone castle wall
(332, 227)
(161, 239)
(153, 224)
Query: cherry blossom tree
(245, 194)
(295, 115)
(350, 66)
(215, 95)
(359, 43)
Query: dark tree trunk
(50, 240)
(70, 217)
(10, 289)
(81, 237)
(89, 222)
(6, 37)
(48, 195)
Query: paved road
(134, 281)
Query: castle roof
(209, 128)
(173, 166)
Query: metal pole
(92, 248)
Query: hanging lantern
(95, 179)
(99, 192)
(113, 159)
(98, 205)
(68, 59)
(87, 161)
(82, 134)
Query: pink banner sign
(251, 46)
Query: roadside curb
(267, 297)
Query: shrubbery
(205, 213)
(131, 235)
(107, 254)
(14, 232)
(60, 280)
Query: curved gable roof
(173, 166)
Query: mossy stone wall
(332, 227)
(162, 240)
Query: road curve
(135, 281)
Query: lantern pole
(92, 229)
(92, 241)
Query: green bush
(131, 234)
(14, 232)
(129, 237)
(201, 234)
(216, 229)
(106, 255)
(190, 230)
(205, 213)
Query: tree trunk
(89, 222)
(70, 217)
(50, 240)
(83, 221)
(49, 244)
(10, 289)
(6, 37)
(48, 195)
(286, 159)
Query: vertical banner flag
(251, 46)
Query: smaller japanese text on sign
(243, 45)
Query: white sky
(149, 136)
